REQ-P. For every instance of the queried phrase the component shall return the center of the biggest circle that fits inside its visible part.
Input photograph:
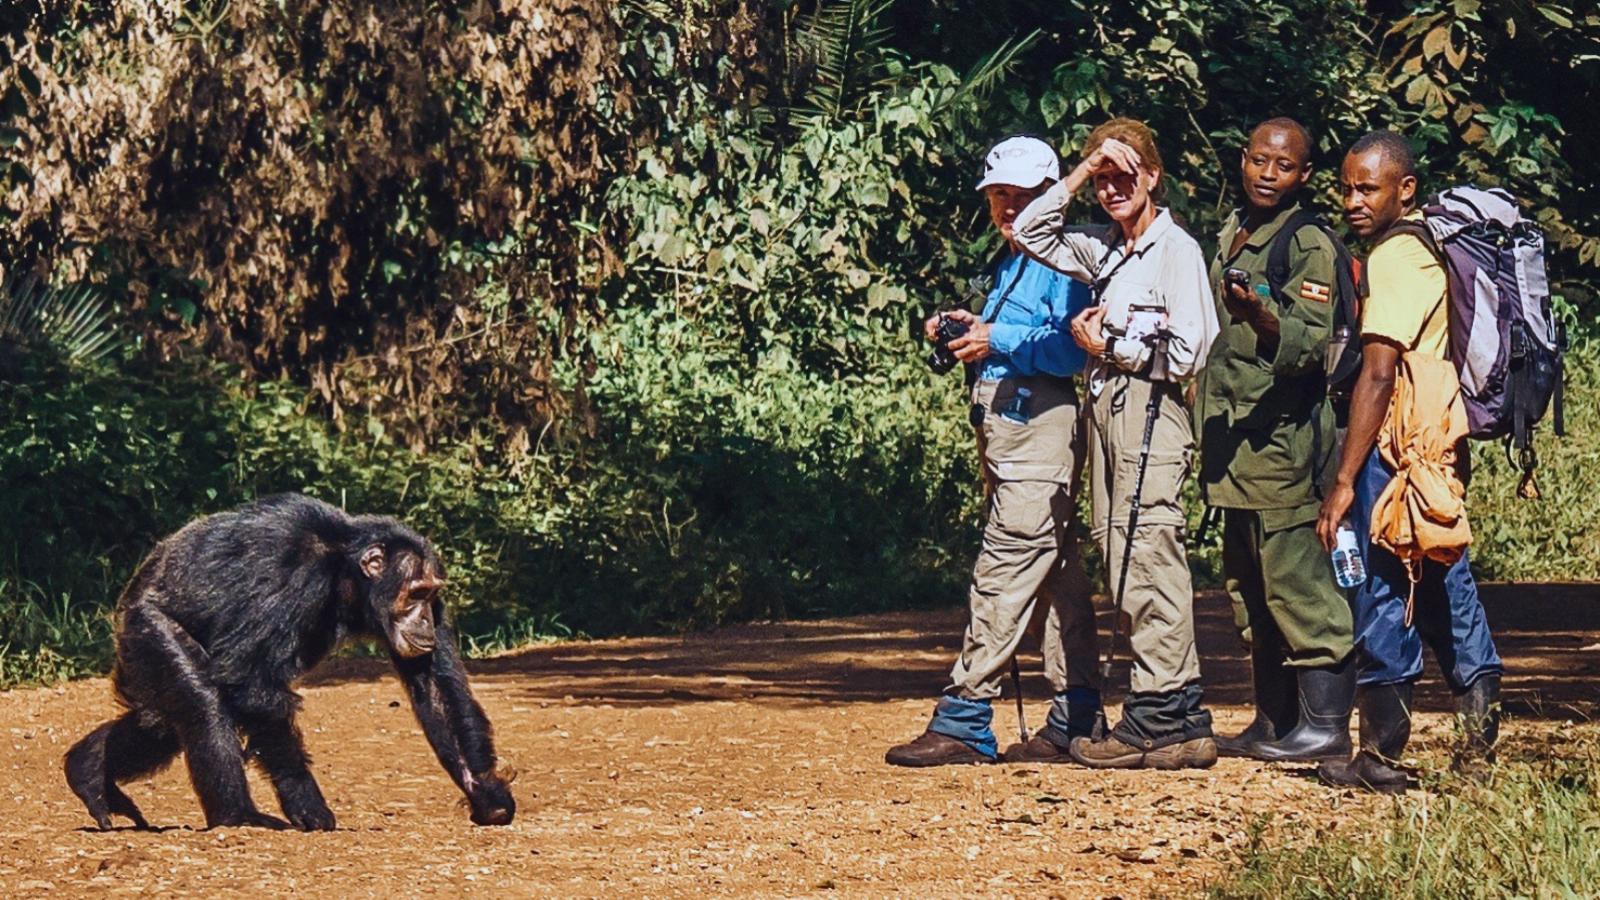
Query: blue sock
(1073, 714)
(967, 721)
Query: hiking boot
(1037, 749)
(933, 749)
(1274, 701)
(1115, 753)
(1385, 729)
(1326, 694)
(1478, 718)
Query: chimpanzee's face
(403, 586)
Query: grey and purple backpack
(1506, 344)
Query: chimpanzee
(224, 615)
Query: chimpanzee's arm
(457, 729)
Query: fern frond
(990, 71)
(844, 44)
(75, 322)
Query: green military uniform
(1266, 432)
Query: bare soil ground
(746, 761)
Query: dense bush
(615, 301)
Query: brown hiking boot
(931, 749)
(1038, 749)
(1114, 753)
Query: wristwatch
(1109, 352)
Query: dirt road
(745, 762)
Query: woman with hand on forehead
(1148, 331)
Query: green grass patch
(1533, 830)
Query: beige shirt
(1165, 269)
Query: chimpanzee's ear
(372, 562)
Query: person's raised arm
(1043, 231)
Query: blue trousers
(1448, 614)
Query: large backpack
(1343, 357)
(1506, 344)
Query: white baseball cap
(1023, 162)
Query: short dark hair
(1287, 124)
(1393, 148)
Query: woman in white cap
(1150, 328)
(1021, 362)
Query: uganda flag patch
(1316, 293)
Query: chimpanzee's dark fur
(220, 620)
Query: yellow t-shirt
(1406, 299)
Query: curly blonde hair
(1137, 135)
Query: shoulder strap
(1424, 234)
(1006, 294)
(1097, 289)
(1405, 226)
(1278, 252)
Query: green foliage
(73, 322)
(1533, 831)
(44, 639)
(623, 316)
(1557, 537)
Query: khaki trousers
(1158, 598)
(1029, 576)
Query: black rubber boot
(1273, 686)
(1326, 695)
(1478, 718)
(1385, 729)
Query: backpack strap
(1405, 226)
(1278, 279)
(1278, 252)
(1422, 233)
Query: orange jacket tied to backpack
(1422, 513)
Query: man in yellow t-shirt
(1406, 310)
(1406, 295)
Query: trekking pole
(1016, 684)
(1152, 412)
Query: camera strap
(970, 370)
(1005, 295)
(1097, 290)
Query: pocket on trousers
(1161, 496)
(1023, 513)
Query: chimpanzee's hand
(491, 800)
(310, 816)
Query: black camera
(940, 359)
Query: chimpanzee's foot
(311, 817)
(249, 819)
(122, 805)
(85, 768)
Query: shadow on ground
(1549, 635)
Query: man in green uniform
(1266, 431)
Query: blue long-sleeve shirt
(1031, 336)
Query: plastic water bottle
(1348, 568)
(1016, 409)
